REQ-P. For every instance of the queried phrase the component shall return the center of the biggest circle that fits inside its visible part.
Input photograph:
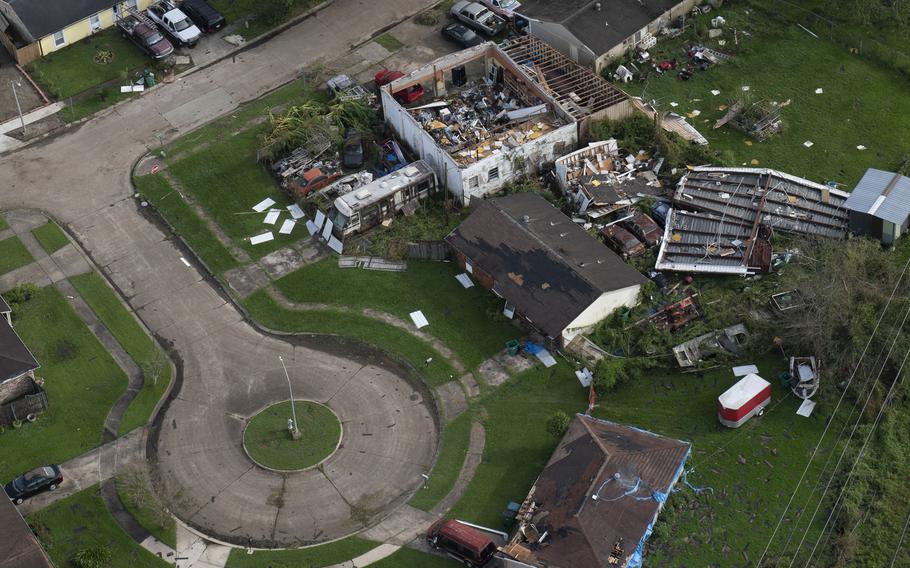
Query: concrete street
(229, 368)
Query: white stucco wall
(599, 310)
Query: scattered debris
(789, 300)
(728, 340)
(263, 238)
(804, 378)
(805, 409)
(272, 216)
(743, 370)
(372, 263)
(464, 280)
(263, 205)
(678, 314)
(819, 91)
(419, 319)
(287, 227)
(808, 143)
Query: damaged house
(20, 393)
(499, 113)
(594, 33)
(723, 219)
(879, 205)
(596, 501)
(557, 278)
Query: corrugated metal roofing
(885, 195)
(703, 242)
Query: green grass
(465, 320)
(783, 63)
(186, 222)
(51, 237)
(226, 181)
(94, 103)
(269, 443)
(81, 521)
(410, 558)
(389, 42)
(314, 557)
(81, 379)
(394, 341)
(3, 224)
(117, 318)
(13, 255)
(456, 438)
(145, 508)
(235, 11)
(71, 70)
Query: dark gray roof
(545, 265)
(885, 195)
(18, 546)
(4, 307)
(44, 17)
(630, 471)
(600, 30)
(15, 358)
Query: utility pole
(18, 106)
(292, 425)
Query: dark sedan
(31, 483)
(461, 34)
(203, 15)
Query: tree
(558, 423)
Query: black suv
(33, 482)
(203, 15)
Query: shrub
(21, 293)
(93, 557)
(273, 11)
(558, 423)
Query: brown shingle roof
(18, 546)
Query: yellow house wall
(83, 28)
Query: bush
(21, 293)
(93, 557)
(558, 423)
(273, 11)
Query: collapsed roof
(595, 501)
(734, 212)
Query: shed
(748, 397)
(879, 205)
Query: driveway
(229, 368)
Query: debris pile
(484, 119)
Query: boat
(803, 376)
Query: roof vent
(362, 194)
(525, 219)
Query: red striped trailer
(743, 400)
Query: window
(474, 182)
(95, 22)
(59, 39)
(493, 174)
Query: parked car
(622, 241)
(659, 212)
(461, 34)
(345, 88)
(505, 8)
(309, 181)
(645, 229)
(31, 483)
(410, 95)
(174, 23)
(479, 17)
(206, 18)
(466, 544)
(142, 31)
(352, 156)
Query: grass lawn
(410, 558)
(517, 443)
(145, 507)
(456, 438)
(783, 63)
(71, 70)
(13, 255)
(389, 42)
(144, 351)
(51, 237)
(394, 341)
(91, 105)
(464, 319)
(235, 11)
(81, 379)
(269, 443)
(3, 224)
(186, 222)
(313, 557)
(81, 521)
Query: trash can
(149, 78)
(784, 379)
(512, 345)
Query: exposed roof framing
(562, 78)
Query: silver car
(479, 17)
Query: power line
(898, 380)
(833, 414)
(900, 541)
(850, 438)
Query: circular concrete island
(269, 442)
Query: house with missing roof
(594, 32)
(20, 393)
(879, 205)
(31, 29)
(596, 501)
(555, 277)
